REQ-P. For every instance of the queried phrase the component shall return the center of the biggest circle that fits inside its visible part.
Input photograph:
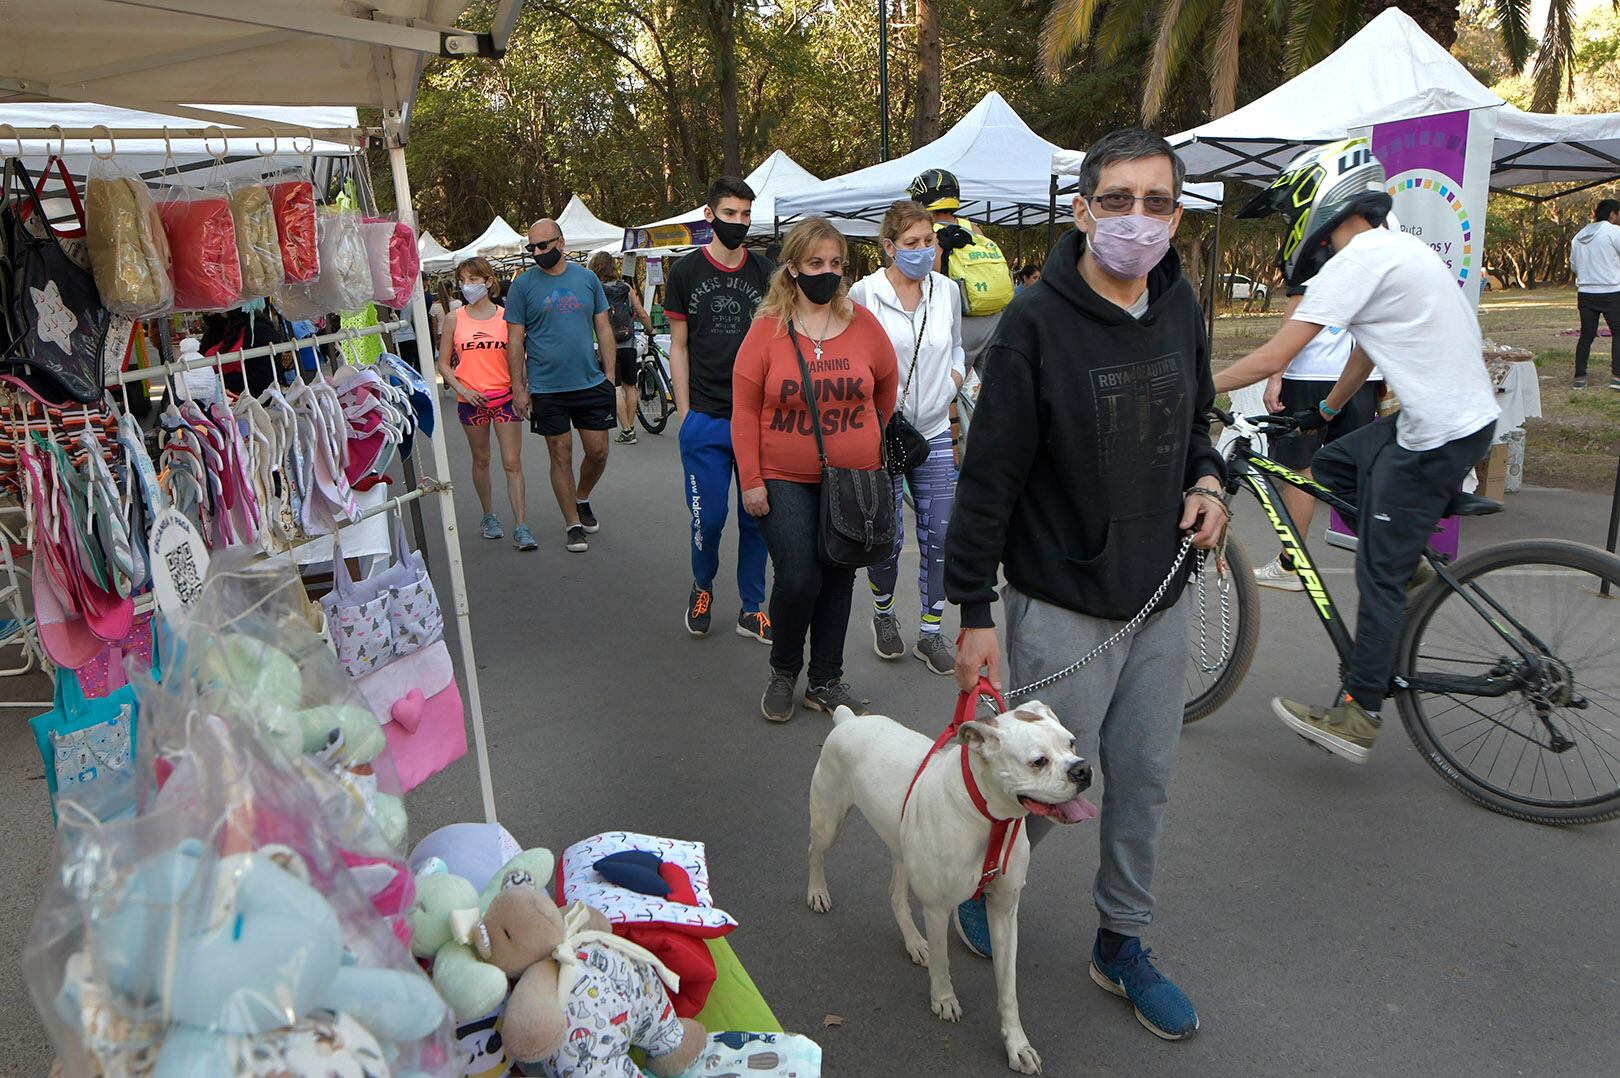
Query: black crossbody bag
(857, 523)
(906, 445)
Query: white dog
(1023, 761)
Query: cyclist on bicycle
(1402, 303)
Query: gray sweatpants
(1124, 708)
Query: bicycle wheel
(1500, 751)
(652, 405)
(1222, 644)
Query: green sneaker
(1345, 730)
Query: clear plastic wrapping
(396, 266)
(202, 244)
(129, 251)
(292, 197)
(344, 283)
(258, 245)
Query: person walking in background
(920, 311)
(968, 257)
(562, 358)
(1027, 276)
(624, 311)
(1090, 460)
(807, 321)
(1305, 382)
(709, 299)
(473, 363)
(1594, 255)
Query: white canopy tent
(1532, 148)
(499, 240)
(156, 56)
(584, 231)
(778, 175)
(435, 257)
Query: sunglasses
(543, 245)
(1121, 202)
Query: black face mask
(819, 288)
(546, 259)
(731, 234)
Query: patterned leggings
(933, 492)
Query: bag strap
(815, 415)
(916, 349)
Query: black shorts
(1297, 395)
(629, 365)
(585, 409)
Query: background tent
(500, 240)
(1000, 163)
(776, 176)
(1533, 147)
(435, 258)
(586, 232)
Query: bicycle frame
(654, 359)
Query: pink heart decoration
(407, 710)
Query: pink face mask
(1128, 247)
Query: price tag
(179, 562)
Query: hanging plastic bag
(395, 264)
(129, 251)
(344, 283)
(202, 243)
(258, 244)
(293, 200)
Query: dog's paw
(947, 1008)
(820, 901)
(918, 951)
(1023, 1058)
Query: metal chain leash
(1225, 590)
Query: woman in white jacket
(922, 312)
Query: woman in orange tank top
(472, 360)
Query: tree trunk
(1438, 18)
(925, 122)
(723, 32)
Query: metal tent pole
(447, 507)
(1214, 280)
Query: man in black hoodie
(1090, 461)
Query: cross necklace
(826, 324)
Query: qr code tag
(179, 563)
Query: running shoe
(973, 926)
(523, 538)
(831, 696)
(587, 519)
(1579, 383)
(1274, 575)
(886, 636)
(1345, 730)
(936, 651)
(755, 624)
(777, 703)
(491, 526)
(697, 610)
(1614, 383)
(1160, 1006)
(577, 541)
(626, 437)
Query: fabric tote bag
(393, 612)
(419, 705)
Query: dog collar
(1003, 832)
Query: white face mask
(474, 291)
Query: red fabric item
(685, 954)
(770, 421)
(202, 243)
(294, 204)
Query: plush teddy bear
(471, 986)
(583, 997)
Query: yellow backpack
(981, 270)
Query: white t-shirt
(1594, 255)
(1324, 359)
(928, 406)
(1404, 307)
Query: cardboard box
(1492, 473)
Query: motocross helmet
(936, 189)
(1315, 193)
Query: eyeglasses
(1121, 202)
(543, 245)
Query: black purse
(906, 446)
(857, 523)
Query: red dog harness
(1002, 836)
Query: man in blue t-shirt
(561, 348)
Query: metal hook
(112, 145)
(275, 145)
(225, 143)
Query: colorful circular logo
(1431, 209)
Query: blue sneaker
(523, 538)
(973, 926)
(1160, 1006)
(491, 526)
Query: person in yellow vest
(968, 257)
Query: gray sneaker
(777, 703)
(523, 538)
(886, 636)
(936, 651)
(491, 526)
(830, 697)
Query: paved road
(1325, 919)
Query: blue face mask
(916, 263)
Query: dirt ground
(1575, 443)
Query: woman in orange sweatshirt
(852, 368)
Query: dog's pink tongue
(1076, 811)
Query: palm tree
(1314, 28)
